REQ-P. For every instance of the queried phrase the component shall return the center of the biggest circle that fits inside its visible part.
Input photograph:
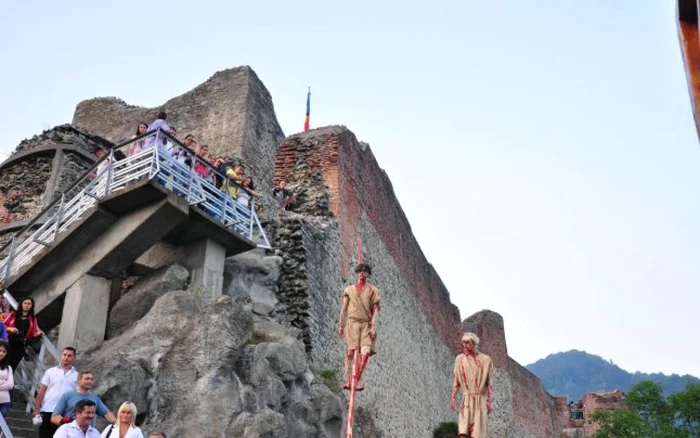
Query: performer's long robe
(360, 315)
(473, 375)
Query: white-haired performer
(472, 373)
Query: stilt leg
(353, 392)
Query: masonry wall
(357, 186)
(408, 381)
(232, 112)
(601, 400)
(39, 169)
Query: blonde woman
(124, 427)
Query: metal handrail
(109, 175)
(71, 187)
(6, 432)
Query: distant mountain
(575, 373)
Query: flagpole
(307, 117)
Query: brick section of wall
(488, 326)
(357, 185)
(597, 401)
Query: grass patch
(446, 429)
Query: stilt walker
(360, 304)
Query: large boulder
(254, 275)
(135, 303)
(214, 370)
(124, 366)
(196, 387)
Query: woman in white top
(124, 427)
(243, 195)
(137, 146)
(6, 380)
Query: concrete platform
(110, 237)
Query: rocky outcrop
(131, 307)
(232, 112)
(254, 275)
(214, 371)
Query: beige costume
(360, 315)
(473, 378)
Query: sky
(545, 156)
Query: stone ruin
(265, 359)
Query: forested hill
(575, 373)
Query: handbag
(110, 431)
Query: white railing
(6, 433)
(112, 174)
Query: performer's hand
(341, 331)
(373, 332)
(488, 407)
(452, 404)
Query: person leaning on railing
(235, 175)
(244, 195)
(137, 146)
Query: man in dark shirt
(282, 195)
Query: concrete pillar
(85, 310)
(205, 259)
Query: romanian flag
(308, 110)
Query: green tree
(647, 400)
(618, 423)
(686, 405)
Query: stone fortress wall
(232, 112)
(344, 195)
(39, 169)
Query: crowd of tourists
(192, 157)
(64, 406)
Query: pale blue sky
(546, 156)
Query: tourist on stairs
(64, 412)
(125, 426)
(55, 382)
(82, 426)
(6, 379)
(22, 330)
